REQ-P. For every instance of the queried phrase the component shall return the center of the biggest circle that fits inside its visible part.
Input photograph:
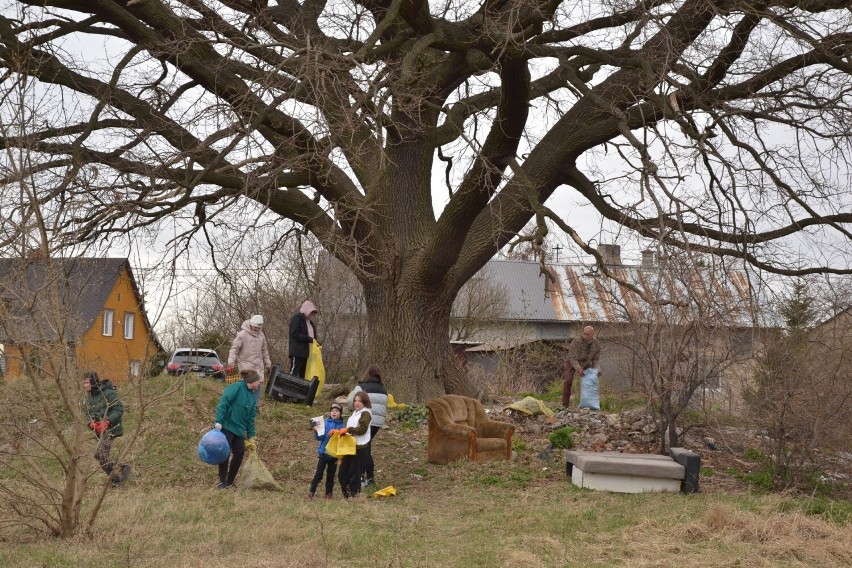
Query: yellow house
(85, 309)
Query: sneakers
(224, 485)
(328, 495)
(368, 482)
(310, 495)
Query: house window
(713, 381)
(129, 318)
(109, 315)
(135, 368)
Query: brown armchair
(459, 428)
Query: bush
(412, 416)
(563, 437)
(754, 454)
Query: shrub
(563, 437)
(412, 416)
(754, 454)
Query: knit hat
(338, 406)
(250, 377)
(256, 320)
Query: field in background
(520, 513)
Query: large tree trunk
(408, 335)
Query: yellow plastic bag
(254, 475)
(339, 446)
(531, 406)
(314, 366)
(394, 404)
(388, 491)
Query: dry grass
(522, 513)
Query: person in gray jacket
(373, 386)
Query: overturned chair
(459, 428)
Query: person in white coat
(358, 425)
(250, 351)
(373, 386)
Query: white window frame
(718, 385)
(135, 368)
(129, 322)
(109, 319)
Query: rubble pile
(632, 431)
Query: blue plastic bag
(589, 391)
(214, 448)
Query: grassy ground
(520, 513)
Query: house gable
(63, 301)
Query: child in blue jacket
(325, 461)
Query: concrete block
(691, 463)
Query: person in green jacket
(235, 418)
(104, 412)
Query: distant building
(89, 309)
(553, 309)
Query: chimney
(611, 254)
(649, 259)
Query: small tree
(682, 342)
(45, 447)
(801, 394)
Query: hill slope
(519, 513)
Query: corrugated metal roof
(578, 293)
(525, 290)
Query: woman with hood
(303, 332)
(250, 351)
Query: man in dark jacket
(584, 353)
(104, 412)
(303, 332)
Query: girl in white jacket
(358, 425)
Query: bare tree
(45, 445)
(212, 309)
(711, 124)
(683, 344)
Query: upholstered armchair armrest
(495, 429)
(457, 430)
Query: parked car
(194, 360)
